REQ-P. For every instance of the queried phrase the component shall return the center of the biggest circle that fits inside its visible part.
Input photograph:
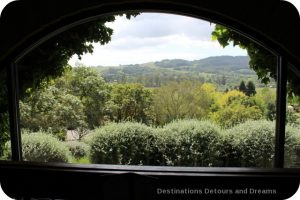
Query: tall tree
(52, 109)
(250, 89)
(183, 100)
(54, 54)
(242, 87)
(235, 107)
(130, 102)
(88, 85)
(174, 101)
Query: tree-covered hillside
(224, 71)
(216, 64)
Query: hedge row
(180, 143)
(191, 143)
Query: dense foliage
(42, 147)
(130, 102)
(4, 120)
(49, 60)
(125, 143)
(235, 107)
(192, 143)
(179, 100)
(179, 143)
(255, 141)
(91, 89)
(3, 131)
(78, 149)
(175, 137)
(249, 90)
(154, 94)
(82, 100)
(262, 61)
(52, 110)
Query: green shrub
(124, 143)
(42, 147)
(87, 139)
(77, 149)
(190, 143)
(292, 147)
(229, 154)
(6, 151)
(252, 144)
(255, 141)
(4, 133)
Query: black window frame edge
(25, 168)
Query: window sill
(73, 181)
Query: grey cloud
(130, 43)
(153, 25)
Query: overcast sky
(154, 37)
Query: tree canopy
(50, 59)
(250, 89)
(262, 61)
(242, 87)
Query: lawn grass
(83, 160)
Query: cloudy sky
(153, 37)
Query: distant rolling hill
(153, 73)
(214, 64)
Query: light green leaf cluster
(42, 147)
(130, 102)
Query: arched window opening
(153, 89)
(143, 151)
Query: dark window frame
(177, 7)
